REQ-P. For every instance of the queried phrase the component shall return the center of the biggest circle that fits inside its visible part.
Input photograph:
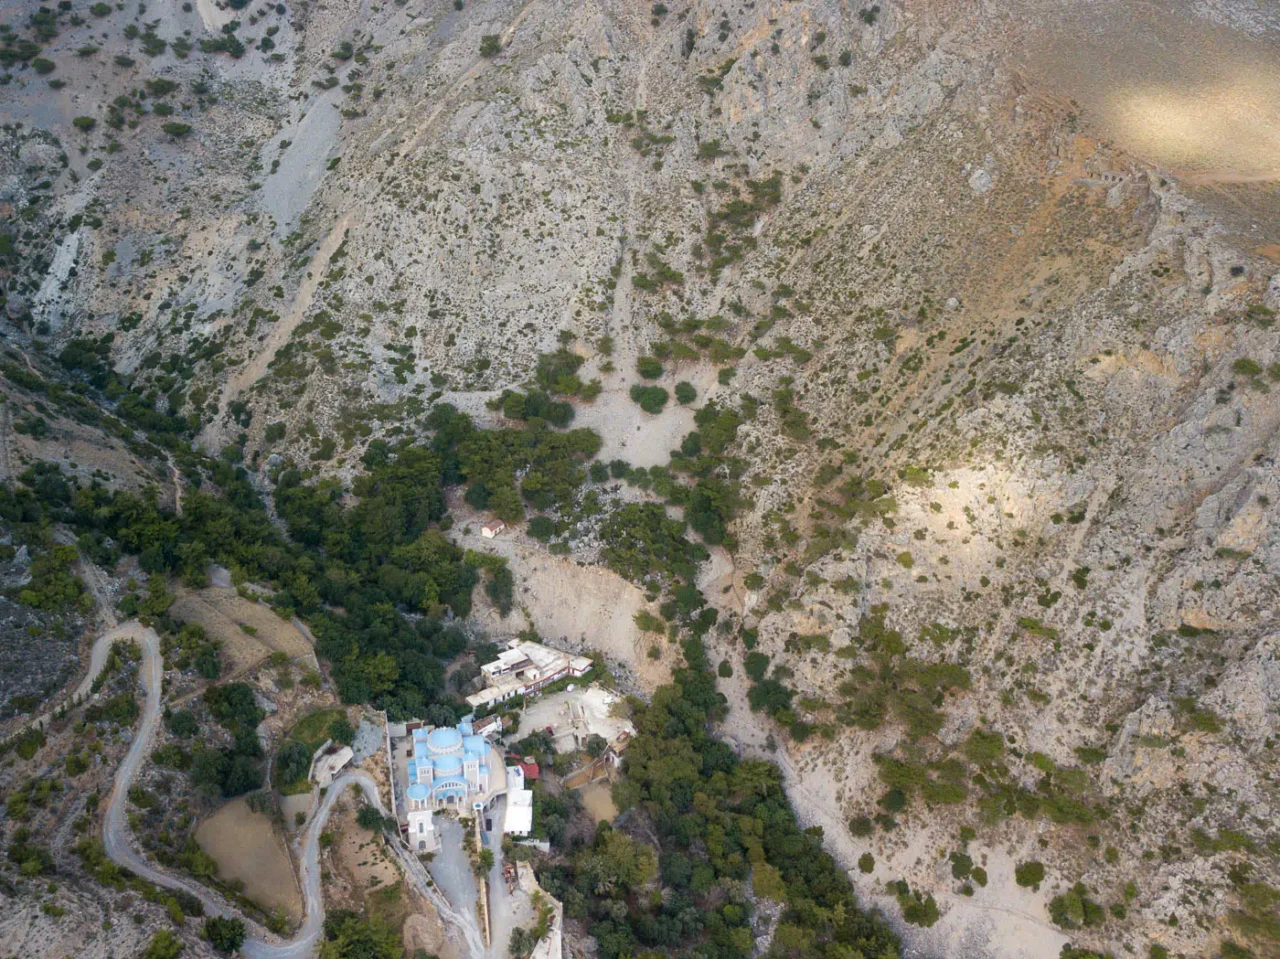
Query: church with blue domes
(449, 767)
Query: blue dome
(443, 739)
(448, 766)
(475, 744)
(419, 791)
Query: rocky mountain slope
(993, 284)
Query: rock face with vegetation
(912, 369)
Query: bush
(183, 723)
(685, 393)
(1029, 874)
(867, 863)
(176, 129)
(501, 590)
(84, 123)
(651, 399)
(29, 742)
(647, 622)
(650, 367)
(541, 528)
(292, 763)
(341, 731)
(756, 665)
(1074, 909)
(163, 945)
(861, 826)
(725, 669)
(224, 934)
(490, 45)
(121, 709)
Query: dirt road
(97, 659)
(119, 847)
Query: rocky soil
(1015, 261)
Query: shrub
(1029, 874)
(341, 731)
(183, 723)
(292, 763)
(756, 664)
(224, 934)
(541, 528)
(490, 45)
(369, 818)
(867, 863)
(650, 367)
(651, 399)
(647, 622)
(685, 393)
(163, 945)
(1074, 909)
(84, 123)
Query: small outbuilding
(492, 528)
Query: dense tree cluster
(348, 571)
(348, 935)
(724, 826)
(236, 769)
(504, 469)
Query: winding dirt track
(120, 849)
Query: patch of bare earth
(224, 614)
(249, 848)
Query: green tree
(292, 763)
(596, 745)
(616, 862)
(225, 934)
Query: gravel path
(97, 659)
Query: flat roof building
(525, 667)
